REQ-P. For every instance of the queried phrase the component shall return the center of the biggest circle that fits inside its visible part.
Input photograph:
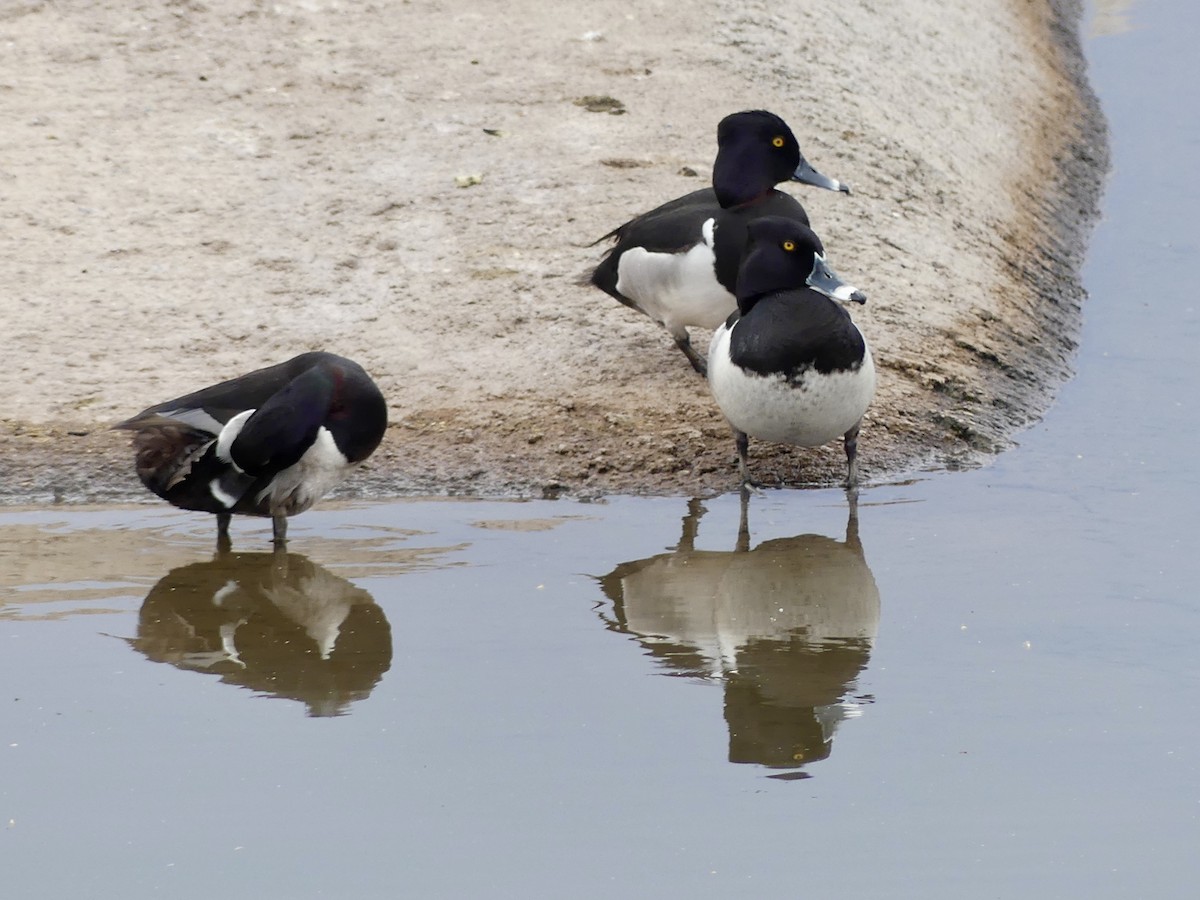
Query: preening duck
(678, 263)
(790, 365)
(268, 443)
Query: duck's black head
(782, 255)
(756, 150)
(356, 412)
(327, 391)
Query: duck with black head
(678, 263)
(268, 443)
(790, 365)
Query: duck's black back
(225, 400)
(792, 332)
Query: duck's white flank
(677, 289)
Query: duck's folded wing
(165, 450)
(673, 227)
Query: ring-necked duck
(678, 263)
(790, 365)
(268, 443)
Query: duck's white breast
(322, 468)
(814, 409)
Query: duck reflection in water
(786, 626)
(276, 623)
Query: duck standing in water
(269, 443)
(678, 263)
(790, 365)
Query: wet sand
(194, 191)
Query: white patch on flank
(317, 472)
(676, 289)
(228, 434)
(818, 409)
(226, 499)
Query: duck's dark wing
(671, 228)
(180, 464)
(221, 402)
(166, 453)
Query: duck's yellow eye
(778, 141)
(789, 246)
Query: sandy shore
(190, 191)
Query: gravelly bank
(192, 192)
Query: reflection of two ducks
(272, 622)
(787, 626)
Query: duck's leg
(684, 343)
(850, 439)
(743, 450)
(279, 524)
(224, 544)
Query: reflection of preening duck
(790, 365)
(678, 263)
(273, 622)
(787, 626)
(269, 443)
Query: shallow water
(981, 684)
